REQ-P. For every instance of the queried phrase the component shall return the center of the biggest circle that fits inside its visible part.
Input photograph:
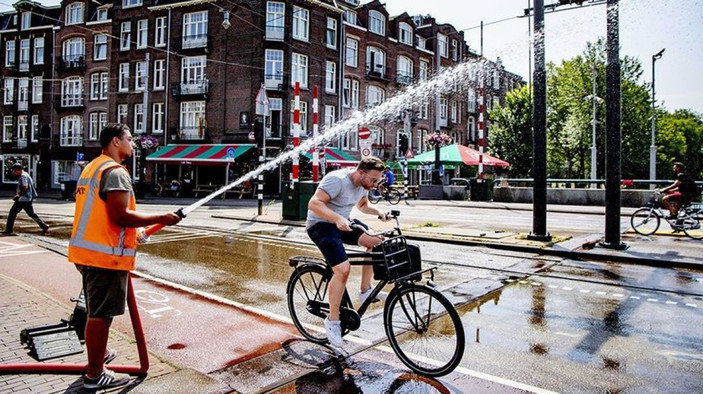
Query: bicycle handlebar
(393, 214)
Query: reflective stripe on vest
(78, 240)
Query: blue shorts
(330, 240)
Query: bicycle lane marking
(11, 249)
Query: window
(299, 70)
(195, 29)
(121, 113)
(131, 3)
(275, 19)
(405, 70)
(160, 32)
(138, 119)
(23, 94)
(123, 82)
(351, 93)
(330, 115)
(331, 77)
(405, 33)
(37, 90)
(74, 50)
(192, 120)
(100, 47)
(276, 108)
(303, 117)
(301, 23)
(26, 20)
(424, 107)
(274, 68)
(350, 17)
(21, 129)
(157, 118)
(331, 33)
(424, 70)
(39, 50)
(455, 50)
(453, 112)
(496, 79)
(10, 53)
(97, 123)
(102, 14)
(472, 101)
(9, 96)
(125, 36)
(374, 95)
(142, 33)
(376, 61)
(472, 129)
(74, 14)
(421, 137)
(71, 131)
(24, 55)
(377, 22)
(140, 76)
(72, 92)
(7, 129)
(159, 73)
(95, 86)
(420, 42)
(350, 141)
(34, 130)
(193, 69)
(442, 45)
(352, 52)
(104, 81)
(443, 112)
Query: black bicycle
(646, 220)
(422, 326)
(388, 193)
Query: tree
(679, 137)
(510, 137)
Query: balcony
(190, 88)
(274, 33)
(24, 65)
(21, 143)
(191, 133)
(378, 72)
(275, 82)
(194, 41)
(22, 105)
(71, 139)
(71, 101)
(68, 63)
(404, 79)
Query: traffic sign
(252, 137)
(365, 152)
(409, 154)
(364, 132)
(230, 153)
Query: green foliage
(511, 132)
(679, 138)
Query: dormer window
(377, 22)
(131, 3)
(26, 20)
(74, 14)
(405, 33)
(102, 15)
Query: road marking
(652, 300)
(692, 305)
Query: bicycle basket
(400, 259)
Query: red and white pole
(481, 111)
(296, 131)
(315, 155)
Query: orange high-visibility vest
(95, 240)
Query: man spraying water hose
(103, 246)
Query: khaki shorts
(105, 291)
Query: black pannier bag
(402, 259)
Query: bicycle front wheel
(306, 293)
(424, 330)
(374, 196)
(645, 221)
(692, 227)
(393, 196)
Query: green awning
(212, 154)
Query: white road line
(635, 297)
(692, 305)
(652, 300)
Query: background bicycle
(646, 220)
(388, 193)
(422, 326)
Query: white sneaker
(334, 332)
(363, 295)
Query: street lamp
(653, 147)
(596, 100)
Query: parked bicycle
(422, 326)
(646, 220)
(388, 193)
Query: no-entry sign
(364, 133)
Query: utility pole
(594, 149)
(653, 147)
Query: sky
(646, 26)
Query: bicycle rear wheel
(645, 221)
(374, 196)
(393, 196)
(424, 330)
(306, 293)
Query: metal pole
(653, 147)
(613, 130)
(539, 161)
(594, 152)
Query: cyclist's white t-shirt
(343, 195)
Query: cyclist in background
(387, 181)
(328, 227)
(681, 192)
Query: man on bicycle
(328, 227)
(681, 192)
(387, 181)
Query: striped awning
(335, 157)
(213, 154)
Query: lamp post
(594, 150)
(653, 147)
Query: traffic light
(402, 144)
(259, 130)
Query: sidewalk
(187, 340)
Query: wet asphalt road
(576, 327)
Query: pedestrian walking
(103, 246)
(23, 200)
